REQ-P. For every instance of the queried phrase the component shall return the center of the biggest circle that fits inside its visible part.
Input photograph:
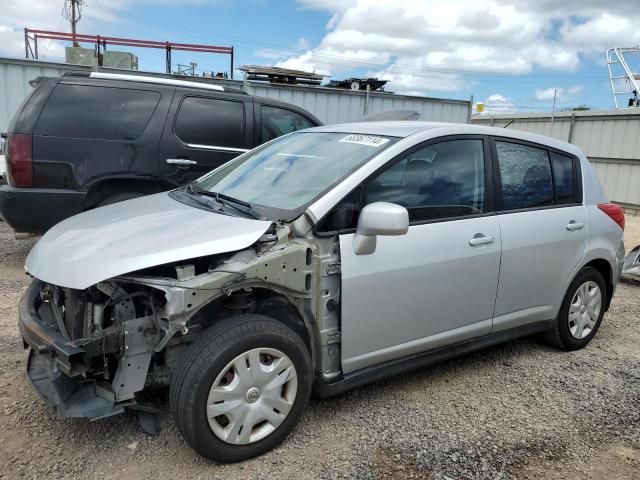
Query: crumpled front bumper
(55, 365)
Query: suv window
(278, 121)
(105, 113)
(526, 176)
(443, 180)
(211, 122)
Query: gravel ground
(520, 410)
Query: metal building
(327, 104)
(610, 138)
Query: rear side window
(278, 121)
(564, 179)
(211, 122)
(105, 113)
(525, 173)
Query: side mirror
(379, 218)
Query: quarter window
(211, 122)
(104, 113)
(564, 179)
(526, 176)
(444, 180)
(278, 121)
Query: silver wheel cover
(252, 396)
(585, 310)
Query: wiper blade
(225, 200)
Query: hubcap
(252, 396)
(585, 310)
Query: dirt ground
(521, 410)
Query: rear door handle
(481, 239)
(573, 225)
(181, 161)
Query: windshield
(286, 175)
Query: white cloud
(560, 93)
(420, 37)
(302, 44)
(497, 103)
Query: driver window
(443, 180)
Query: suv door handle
(573, 225)
(481, 239)
(181, 161)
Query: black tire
(119, 197)
(205, 360)
(560, 335)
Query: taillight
(614, 212)
(19, 160)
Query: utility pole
(553, 108)
(73, 12)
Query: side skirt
(413, 362)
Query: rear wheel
(581, 311)
(241, 388)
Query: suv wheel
(581, 311)
(241, 388)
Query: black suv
(84, 140)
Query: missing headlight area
(93, 351)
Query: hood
(127, 236)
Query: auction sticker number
(368, 140)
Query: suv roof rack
(157, 80)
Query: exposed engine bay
(129, 333)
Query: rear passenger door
(204, 131)
(543, 227)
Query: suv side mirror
(379, 218)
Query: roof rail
(158, 80)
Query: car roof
(404, 129)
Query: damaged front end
(89, 350)
(93, 350)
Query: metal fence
(329, 105)
(610, 138)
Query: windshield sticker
(365, 140)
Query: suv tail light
(614, 212)
(19, 160)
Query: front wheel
(581, 311)
(241, 388)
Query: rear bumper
(35, 210)
(56, 366)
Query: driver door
(437, 284)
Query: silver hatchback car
(321, 261)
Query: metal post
(35, 46)
(73, 23)
(571, 127)
(168, 48)
(470, 109)
(553, 108)
(98, 43)
(231, 63)
(366, 100)
(26, 44)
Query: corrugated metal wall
(610, 138)
(327, 104)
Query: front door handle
(181, 161)
(481, 239)
(573, 225)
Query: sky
(513, 55)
